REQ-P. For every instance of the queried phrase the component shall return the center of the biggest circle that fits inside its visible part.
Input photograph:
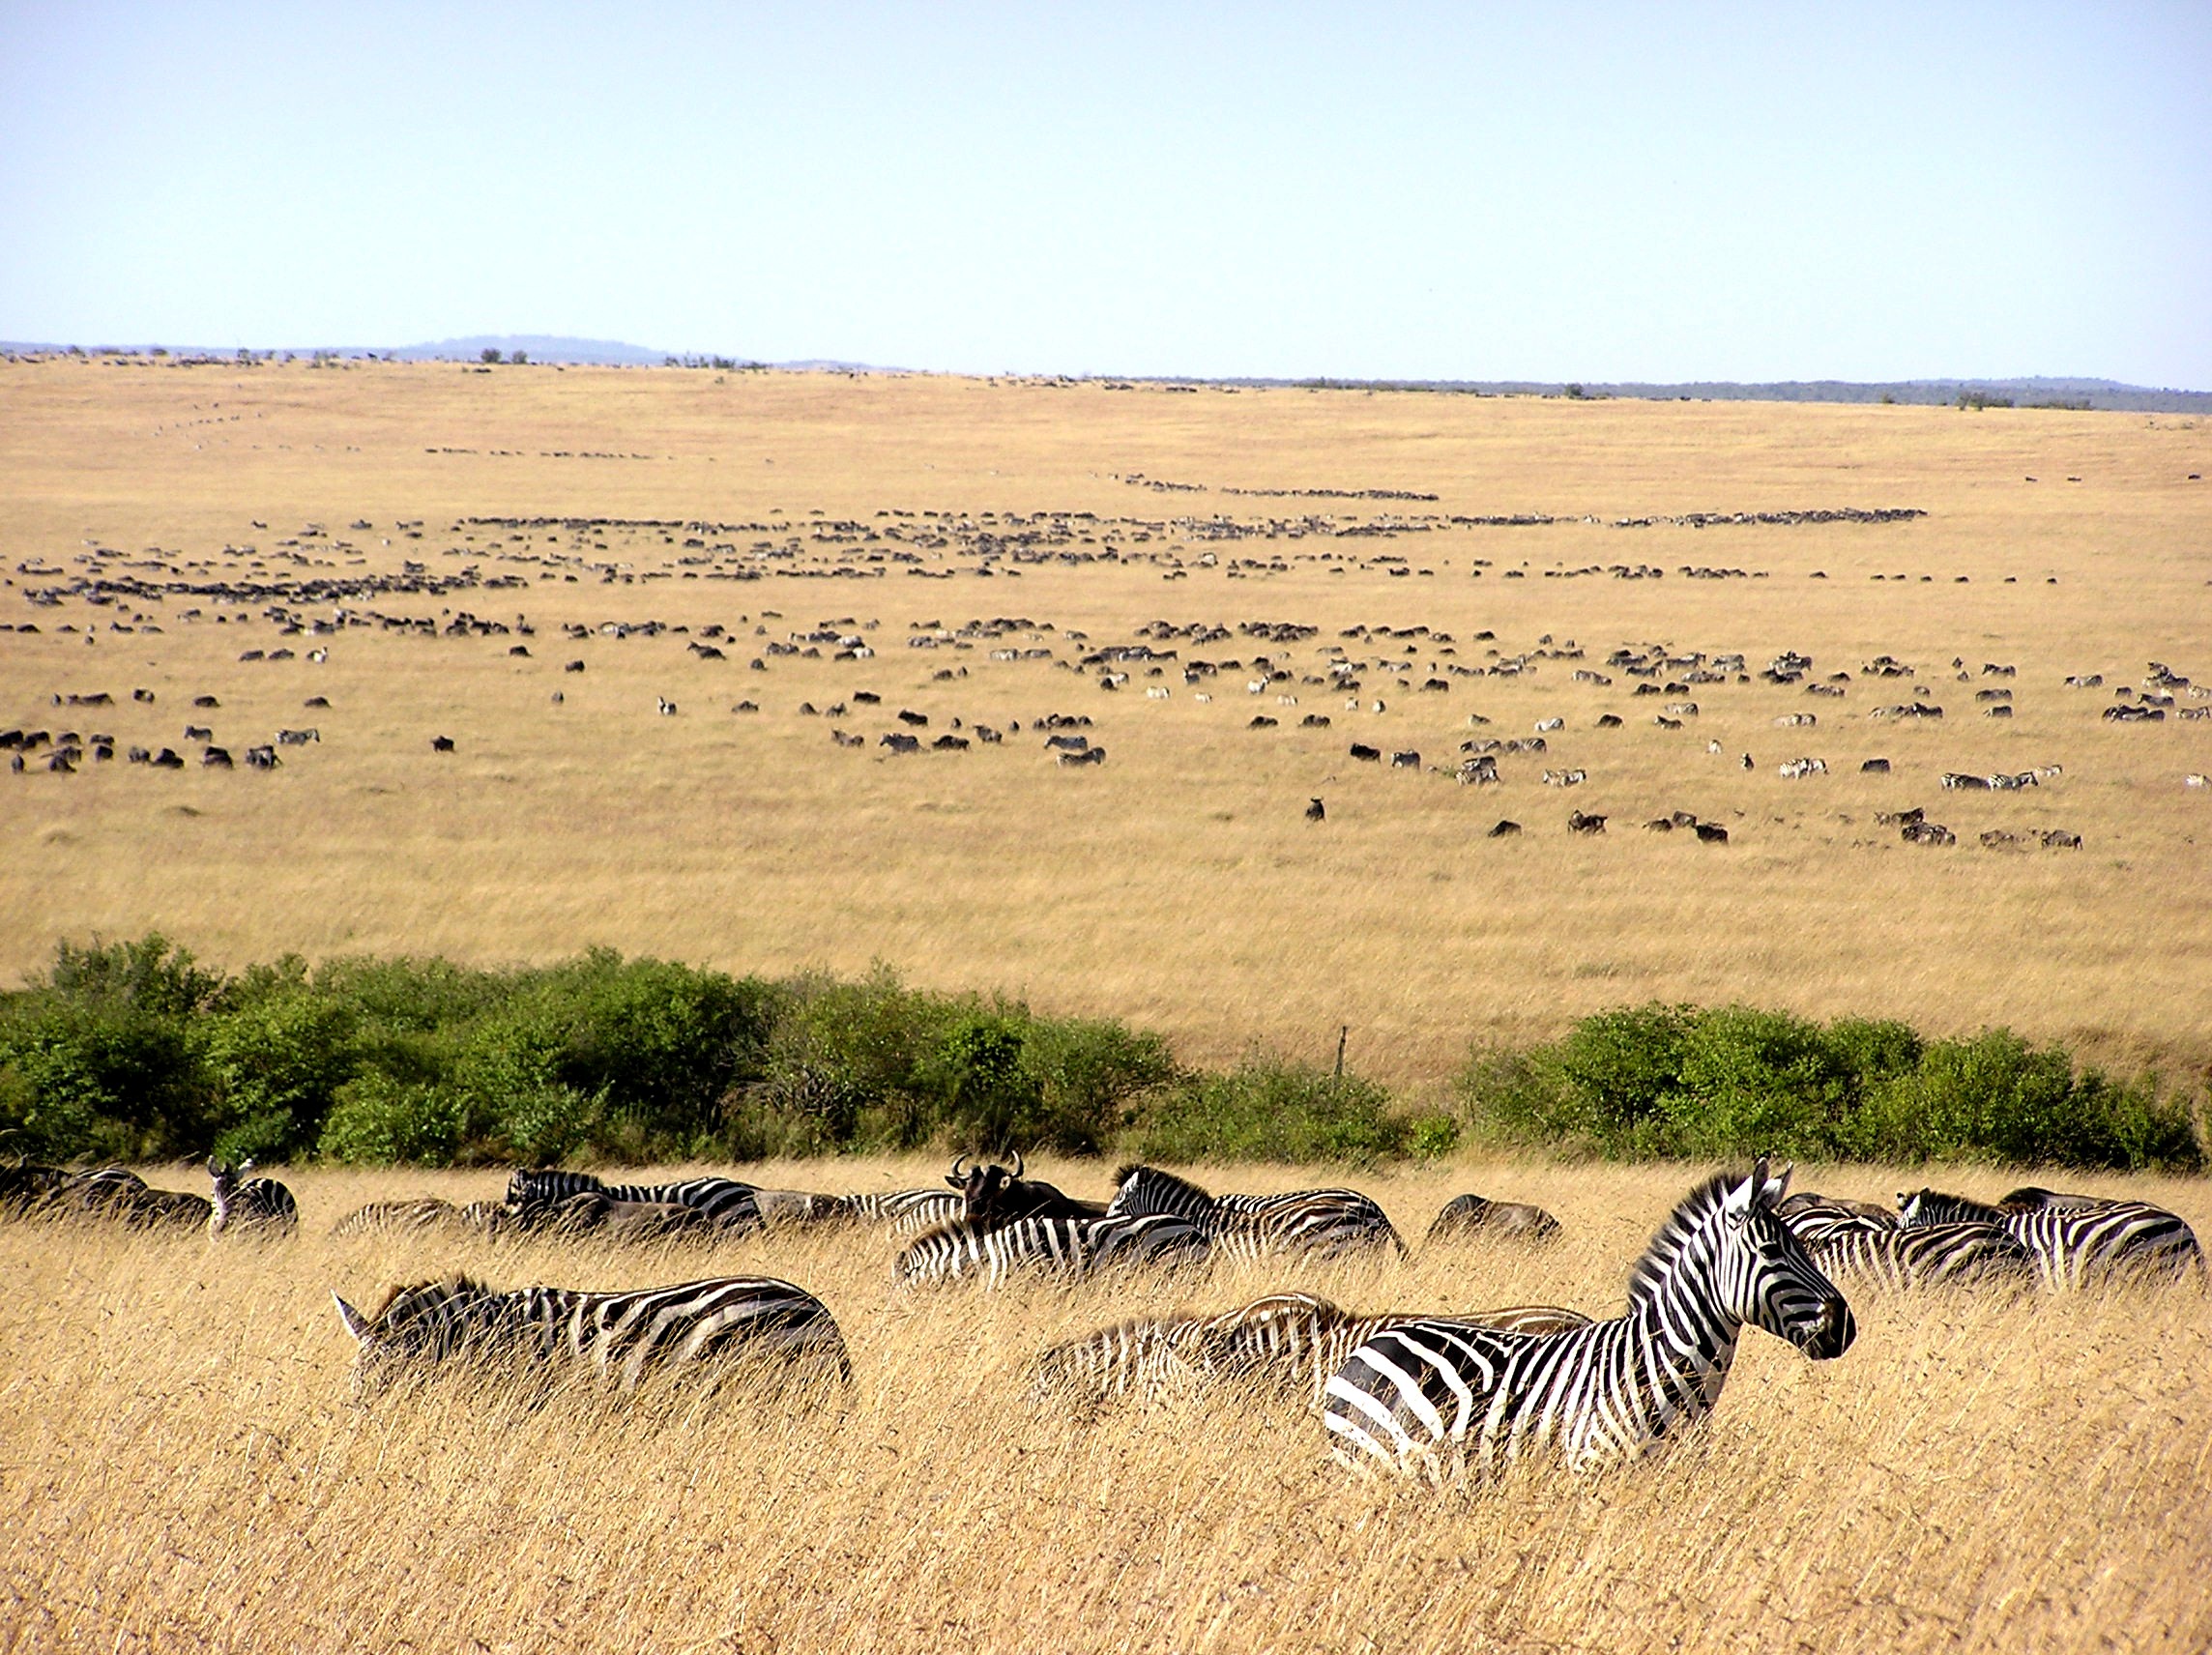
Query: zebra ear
(1779, 1185)
(356, 1323)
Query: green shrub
(99, 1079)
(277, 1060)
(1270, 1109)
(378, 1122)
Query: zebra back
(904, 1212)
(2084, 1247)
(703, 1327)
(1142, 1191)
(1929, 1255)
(1071, 1248)
(1325, 1223)
(401, 1217)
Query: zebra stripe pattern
(241, 1203)
(1289, 1342)
(412, 1218)
(2077, 1241)
(1071, 1248)
(904, 1212)
(725, 1201)
(1316, 1223)
(702, 1328)
(1451, 1397)
(1933, 1255)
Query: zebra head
(1922, 1207)
(1727, 1256)
(225, 1180)
(1141, 1191)
(1772, 1280)
(414, 1324)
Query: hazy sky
(1592, 191)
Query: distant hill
(2103, 394)
(2108, 394)
(541, 347)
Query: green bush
(378, 1122)
(1733, 1081)
(1268, 1110)
(276, 1059)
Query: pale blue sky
(1588, 192)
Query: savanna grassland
(1178, 884)
(183, 1469)
(178, 1469)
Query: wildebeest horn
(957, 1173)
(1017, 1163)
(356, 1323)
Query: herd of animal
(1444, 1397)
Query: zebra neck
(1686, 1342)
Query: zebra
(2085, 1243)
(1324, 1222)
(903, 1212)
(241, 1203)
(703, 1326)
(1286, 1342)
(1071, 1248)
(1448, 1397)
(427, 1212)
(726, 1203)
(28, 1186)
(1934, 1255)
(111, 1192)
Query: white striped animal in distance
(707, 1332)
(1565, 778)
(420, 1216)
(1156, 693)
(1796, 720)
(1284, 1344)
(1803, 766)
(1315, 1223)
(1065, 1249)
(1451, 1399)
(1202, 697)
(1545, 726)
(2077, 1241)
(260, 1206)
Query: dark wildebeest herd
(1444, 1396)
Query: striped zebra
(1319, 1223)
(1072, 1249)
(727, 1202)
(1289, 1343)
(1452, 1398)
(243, 1203)
(126, 1198)
(2077, 1241)
(903, 1212)
(425, 1213)
(27, 1186)
(704, 1328)
(1930, 1256)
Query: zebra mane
(452, 1287)
(1126, 1174)
(1690, 1214)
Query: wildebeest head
(992, 1194)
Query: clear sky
(1595, 191)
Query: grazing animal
(1451, 1399)
(1900, 1260)
(992, 1195)
(726, 1204)
(1317, 1223)
(1478, 1215)
(1286, 1342)
(1315, 811)
(240, 1203)
(125, 1198)
(1405, 761)
(1710, 833)
(442, 744)
(1073, 1249)
(710, 1331)
(1580, 822)
(1361, 751)
(412, 1217)
(1504, 829)
(2076, 1241)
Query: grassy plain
(1177, 885)
(179, 1468)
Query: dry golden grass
(181, 1470)
(1177, 885)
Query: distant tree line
(135, 1051)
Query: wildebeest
(442, 744)
(1315, 811)
(1504, 829)
(900, 743)
(1361, 751)
(1582, 822)
(1478, 1215)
